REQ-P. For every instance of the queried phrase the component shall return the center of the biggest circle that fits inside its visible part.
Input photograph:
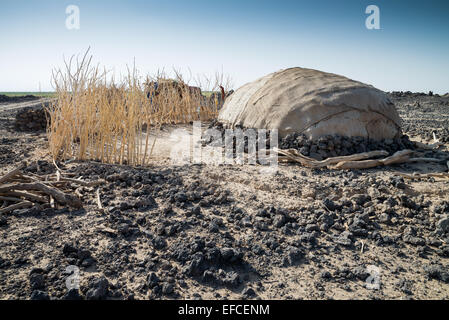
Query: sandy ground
(229, 232)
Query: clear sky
(246, 39)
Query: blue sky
(246, 39)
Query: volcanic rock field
(231, 232)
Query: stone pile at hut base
(326, 146)
(336, 145)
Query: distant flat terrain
(23, 94)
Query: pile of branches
(364, 160)
(19, 189)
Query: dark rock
(98, 289)
(68, 249)
(4, 263)
(308, 237)
(167, 288)
(3, 221)
(213, 227)
(330, 205)
(294, 256)
(405, 286)
(248, 293)
(442, 207)
(312, 227)
(327, 220)
(83, 254)
(409, 236)
(384, 218)
(39, 295)
(408, 203)
(437, 272)
(209, 276)
(360, 273)
(88, 262)
(124, 228)
(230, 255)
(37, 281)
(159, 243)
(72, 294)
(361, 199)
(231, 279)
(443, 225)
(37, 270)
(344, 239)
(152, 280)
(325, 275)
(279, 220)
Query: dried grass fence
(94, 117)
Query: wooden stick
(54, 183)
(363, 164)
(58, 178)
(78, 193)
(26, 195)
(56, 166)
(423, 175)
(398, 157)
(20, 205)
(424, 146)
(84, 183)
(10, 174)
(294, 155)
(27, 177)
(100, 206)
(59, 196)
(10, 199)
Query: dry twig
(20, 205)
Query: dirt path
(19, 105)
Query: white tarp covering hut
(314, 103)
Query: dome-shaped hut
(314, 103)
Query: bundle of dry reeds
(95, 117)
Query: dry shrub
(96, 117)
